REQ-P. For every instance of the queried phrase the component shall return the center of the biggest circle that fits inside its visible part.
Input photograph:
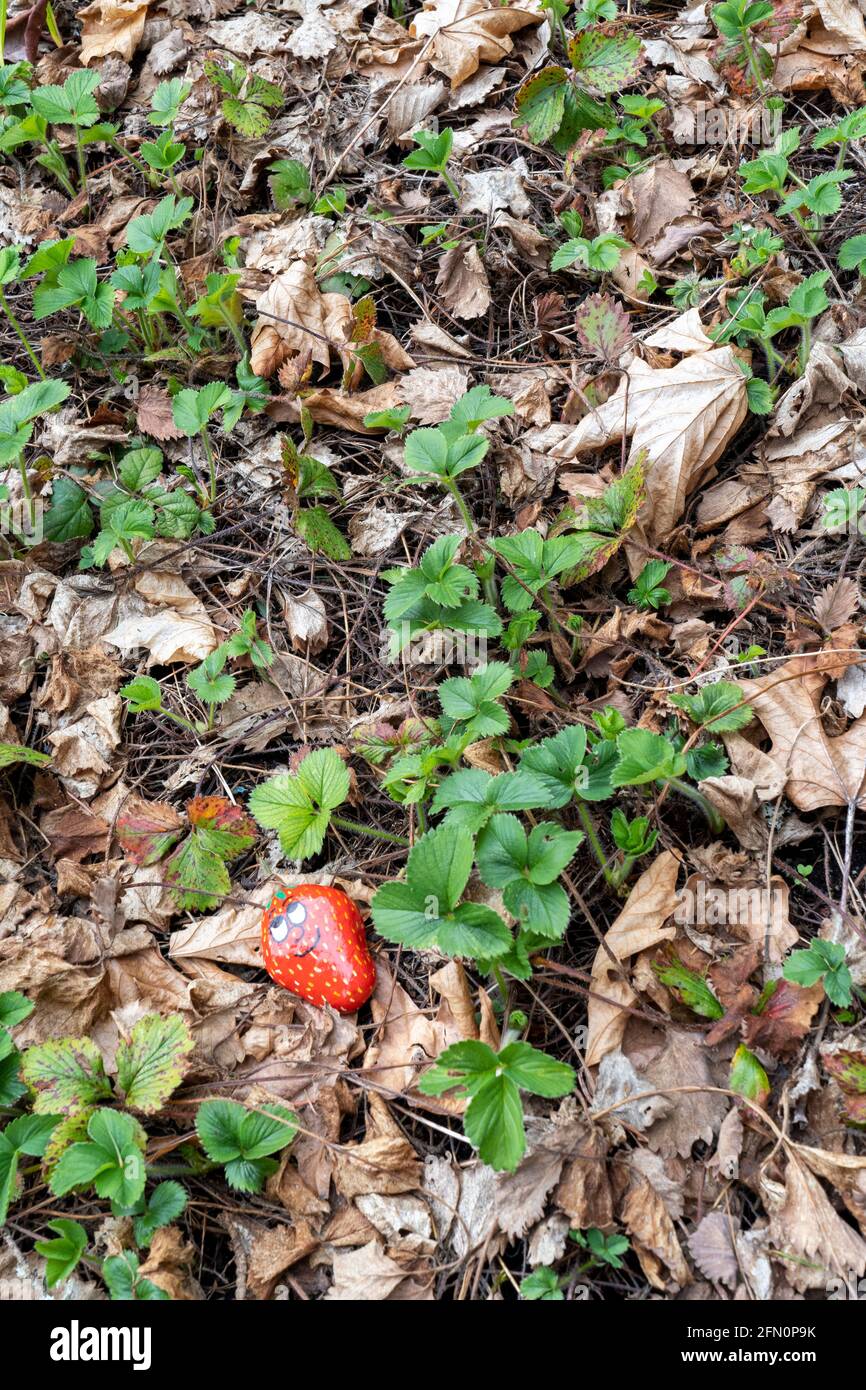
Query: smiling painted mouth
(310, 948)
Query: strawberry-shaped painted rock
(313, 943)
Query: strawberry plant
(735, 21)
(433, 154)
(17, 416)
(196, 868)
(492, 1083)
(243, 1140)
(649, 590)
(556, 105)
(248, 99)
(824, 961)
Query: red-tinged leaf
(606, 58)
(227, 828)
(147, 830)
(219, 832)
(607, 521)
(154, 415)
(540, 103)
(603, 327)
(586, 144)
(848, 1069)
(784, 1019)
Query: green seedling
(645, 758)
(649, 591)
(248, 99)
(755, 247)
(10, 273)
(851, 127)
(192, 411)
(492, 1083)
(300, 805)
(289, 182)
(735, 21)
(634, 839)
(598, 254)
(167, 99)
(244, 1140)
(17, 416)
(824, 961)
(433, 154)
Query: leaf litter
(557, 369)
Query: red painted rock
(313, 943)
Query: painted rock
(314, 944)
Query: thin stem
(805, 345)
(753, 64)
(452, 187)
(236, 333)
(464, 511)
(717, 824)
(22, 335)
(488, 583)
(592, 836)
(506, 1011)
(178, 719)
(25, 488)
(82, 168)
(622, 871)
(345, 823)
(211, 464)
(137, 164)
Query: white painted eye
(296, 914)
(279, 929)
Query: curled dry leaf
(466, 33)
(306, 621)
(815, 1244)
(369, 1275)
(683, 416)
(293, 320)
(693, 1115)
(111, 26)
(641, 924)
(645, 1217)
(462, 281)
(836, 604)
(819, 770)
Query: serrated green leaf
(67, 1074)
(606, 58)
(540, 103)
(112, 1160)
(62, 1254)
(316, 528)
(645, 757)
(152, 1063)
(298, 805)
(714, 707)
